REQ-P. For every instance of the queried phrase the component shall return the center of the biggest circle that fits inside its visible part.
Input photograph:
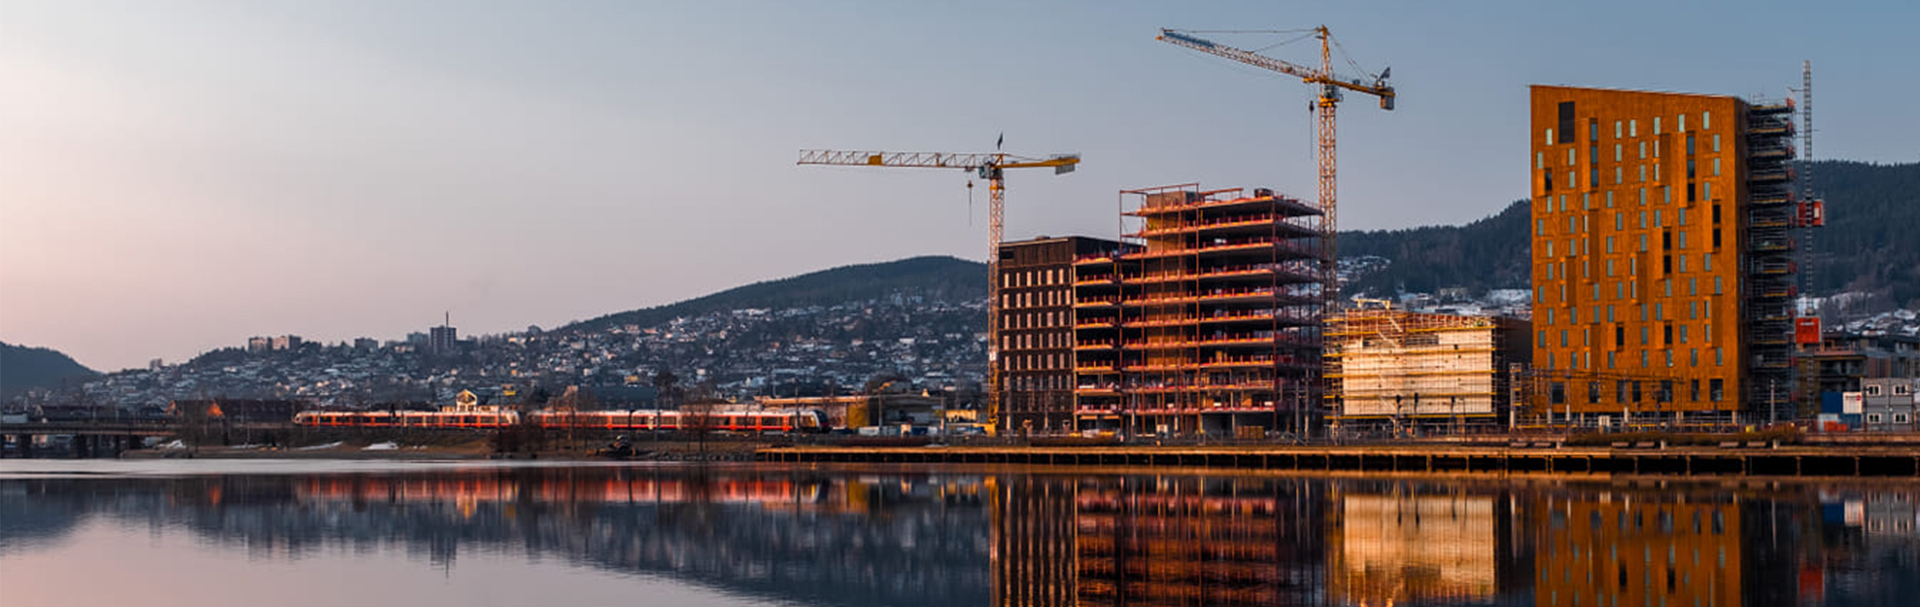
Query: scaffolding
(1769, 283)
(1205, 320)
(1407, 369)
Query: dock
(1850, 462)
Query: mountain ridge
(23, 368)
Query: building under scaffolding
(1205, 320)
(1406, 370)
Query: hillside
(1490, 253)
(936, 278)
(23, 368)
(1872, 239)
(1869, 244)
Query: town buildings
(1036, 331)
(1662, 269)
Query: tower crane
(988, 166)
(1330, 94)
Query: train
(803, 420)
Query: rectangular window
(1716, 166)
(1715, 390)
(1616, 129)
(1656, 125)
(1618, 150)
(1643, 173)
(1690, 147)
(1570, 157)
(1549, 136)
(1719, 359)
(1683, 217)
(1706, 121)
(1683, 244)
(1681, 122)
(1609, 359)
(1643, 150)
(1683, 334)
(1609, 247)
(1609, 313)
(1539, 160)
(1716, 285)
(1716, 142)
(1633, 128)
(1593, 130)
(1693, 360)
(1566, 122)
(1706, 189)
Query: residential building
(1205, 320)
(442, 339)
(1662, 267)
(1036, 331)
(1407, 370)
(286, 342)
(1888, 403)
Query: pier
(1886, 462)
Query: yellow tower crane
(989, 167)
(1330, 87)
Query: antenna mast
(1806, 186)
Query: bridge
(90, 437)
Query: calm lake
(262, 533)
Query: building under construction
(1408, 371)
(1204, 320)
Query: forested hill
(1871, 242)
(1872, 239)
(23, 368)
(1490, 253)
(936, 278)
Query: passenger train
(805, 420)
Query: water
(206, 533)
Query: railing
(1221, 222)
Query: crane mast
(990, 167)
(1330, 85)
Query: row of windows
(1034, 320)
(1034, 278)
(1626, 289)
(1040, 382)
(1048, 298)
(1631, 127)
(1667, 336)
(1648, 359)
(1696, 309)
(1038, 362)
(1620, 153)
(1874, 389)
(1032, 341)
(1586, 204)
(1635, 391)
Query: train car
(482, 419)
(807, 420)
(670, 421)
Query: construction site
(1205, 320)
(1407, 373)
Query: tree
(666, 387)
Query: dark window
(1620, 335)
(1636, 390)
(1593, 392)
(1690, 160)
(1666, 263)
(1669, 332)
(1559, 393)
(1716, 214)
(1549, 175)
(1666, 389)
(1566, 122)
(1695, 393)
(1689, 153)
(1716, 233)
(1715, 390)
(1690, 192)
(1620, 391)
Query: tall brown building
(1662, 263)
(1036, 331)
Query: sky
(178, 176)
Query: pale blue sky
(178, 175)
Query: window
(1616, 129)
(1900, 390)
(1656, 125)
(1716, 163)
(1706, 189)
(1539, 160)
(1681, 121)
(1716, 143)
(1872, 390)
(1609, 250)
(1618, 151)
(1549, 136)
(1570, 157)
(1716, 391)
(1633, 128)
(1873, 418)
(1719, 359)
(1690, 148)
(1706, 120)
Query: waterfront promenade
(1747, 459)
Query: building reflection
(804, 537)
(1414, 542)
(1638, 548)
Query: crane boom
(989, 167)
(1376, 87)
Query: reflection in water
(809, 537)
